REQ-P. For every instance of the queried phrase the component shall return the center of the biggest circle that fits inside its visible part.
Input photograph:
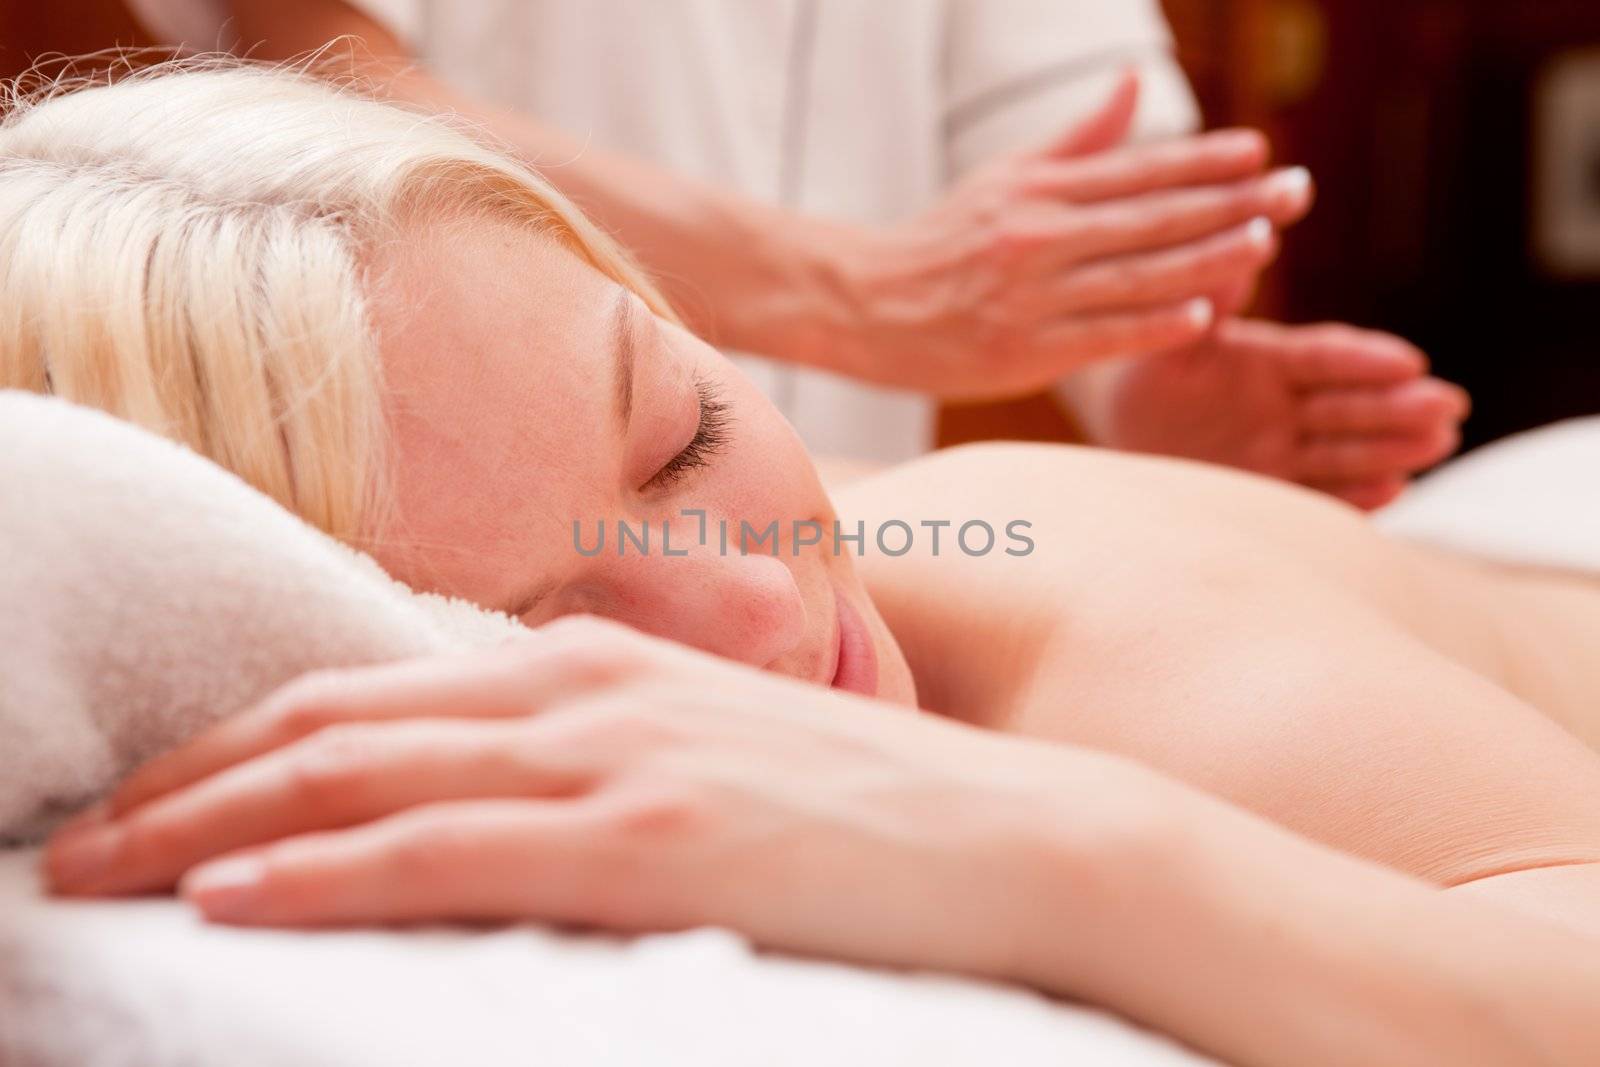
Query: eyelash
(710, 437)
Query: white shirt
(855, 110)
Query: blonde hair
(181, 247)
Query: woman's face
(527, 392)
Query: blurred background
(1456, 147)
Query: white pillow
(145, 592)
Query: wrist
(818, 315)
(1085, 396)
(776, 283)
(1095, 872)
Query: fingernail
(227, 889)
(1292, 182)
(1258, 231)
(83, 858)
(1199, 312)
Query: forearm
(747, 275)
(1264, 948)
(744, 274)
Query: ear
(1105, 128)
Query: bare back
(1259, 641)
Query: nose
(741, 607)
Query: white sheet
(1532, 500)
(145, 984)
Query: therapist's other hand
(1347, 411)
(592, 775)
(1045, 261)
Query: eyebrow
(622, 338)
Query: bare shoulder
(984, 558)
(1241, 635)
(1074, 478)
(1083, 510)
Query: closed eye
(709, 440)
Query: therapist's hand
(1346, 411)
(591, 775)
(1046, 261)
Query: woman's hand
(593, 775)
(1045, 261)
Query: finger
(1155, 329)
(336, 778)
(1411, 407)
(1232, 299)
(1162, 220)
(476, 860)
(561, 659)
(1328, 354)
(1106, 127)
(478, 685)
(1346, 460)
(1368, 496)
(1208, 159)
(1173, 275)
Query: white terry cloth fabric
(147, 592)
(1532, 500)
(146, 984)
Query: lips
(857, 669)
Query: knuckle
(1097, 228)
(426, 847)
(1035, 178)
(1011, 237)
(587, 651)
(996, 333)
(583, 626)
(627, 726)
(148, 843)
(664, 813)
(1006, 359)
(1251, 197)
(590, 642)
(995, 326)
(305, 704)
(298, 718)
(333, 765)
(1121, 281)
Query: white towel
(145, 592)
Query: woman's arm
(1265, 948)
(1029, 268)
(599, 777)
